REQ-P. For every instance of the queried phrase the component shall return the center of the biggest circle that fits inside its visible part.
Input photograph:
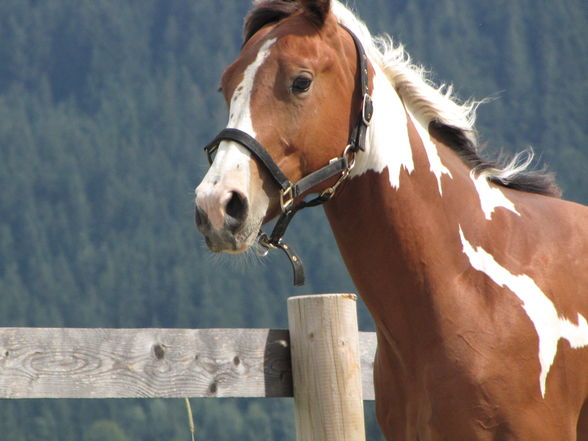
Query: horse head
(291, 92)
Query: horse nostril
(200, 217)
(236, 211)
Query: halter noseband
(288, 191)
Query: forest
(105, 106)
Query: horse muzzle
(221, 218)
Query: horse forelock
(266, 12)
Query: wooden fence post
(326, 368)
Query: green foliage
(104, 108)
(105, 430)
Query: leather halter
(290, 191)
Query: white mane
(419, 94)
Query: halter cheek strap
(288, 190)
(340, 166)
(358, 135)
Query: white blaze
(550, 327)
(230, 169)
(240, 108)
(232, 155)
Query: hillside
(104, 109)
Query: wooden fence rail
(166, 363)
(150, 363)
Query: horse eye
(301, 84)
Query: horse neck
(394, 221)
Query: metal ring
(263, 245)
(261, 251)
(349, 153)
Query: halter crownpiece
(290, 191)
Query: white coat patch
(491, 197)
(387, 139)
(435, 164)
(550, 327)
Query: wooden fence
(322, 361)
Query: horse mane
(452, 121)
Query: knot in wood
(158, 351)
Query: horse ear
(318, 8)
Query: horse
(473, 270)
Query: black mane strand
(502, 171)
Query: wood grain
(326, 368)
(131, 363)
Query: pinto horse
(475, 272)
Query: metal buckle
(328, 193)
(210, 152)
(367, 109)
(286, 198)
